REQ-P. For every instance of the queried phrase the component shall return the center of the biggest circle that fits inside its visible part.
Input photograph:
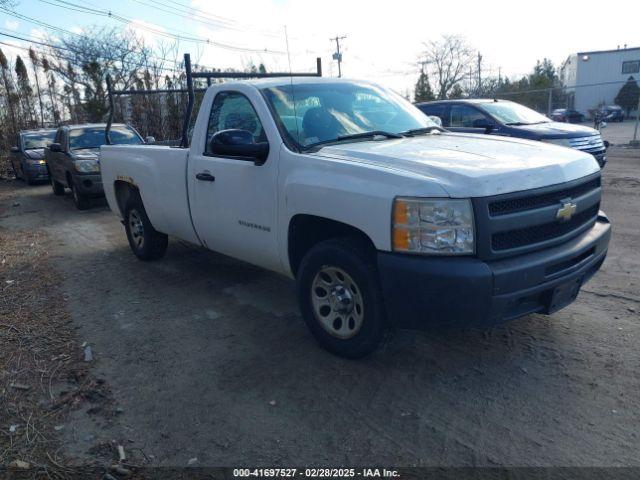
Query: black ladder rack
(190, 91)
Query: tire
(82, 201)
(58, 188)
(340, 297)
(145, 241)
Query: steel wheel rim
(337, 302)
(136, 227)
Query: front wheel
(82, 201)
(57, 187)
(145, 241)
(340, 297)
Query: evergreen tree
(7, 82)
(51, 82)
(34, 63)
(456, 92)
(423, 92)
(26, 92)
(627, 97)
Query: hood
(468, 165)
(556, 130)
(34, 154)
(86, 152)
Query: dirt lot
(207, 357)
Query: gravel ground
(208, 358)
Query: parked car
(73, 158)
(510, 119)
(612, 113)
(567, 115)
(382, 217)
(27, 156)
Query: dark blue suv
(510, 119)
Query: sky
(383, 41)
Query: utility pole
(635, 142)
(338, 56)
(479, 72)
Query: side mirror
(55, 147)
(606, 144)
(15, 149)
(603, 125)
(484, 123)
(150, 140)
(238, 144)
(435, 119)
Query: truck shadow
(230, 338)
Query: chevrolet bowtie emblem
(565, 212)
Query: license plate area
(563, 295)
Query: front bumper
(35, 171)
(421, 292)
(601, 158)
(89, 183)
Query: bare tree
(448, 60)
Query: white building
(594, 78)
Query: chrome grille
(591, 143)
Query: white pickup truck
(383, 218)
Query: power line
(155, 29)
(69, 59)
(67, 32)
(191, 14)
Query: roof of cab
(92, 125)
(466, 100)
(283, 81)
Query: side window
(464, 116)
(233, 110)
(437, 110)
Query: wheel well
(305, 231)
(124, 191)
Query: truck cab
(73, 159)
(382, 217)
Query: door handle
(206, 177)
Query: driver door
(234, 201)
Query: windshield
(314, 113)
(93, 137)
(31, 141)
(509, 112)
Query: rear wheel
(145, 241)
(82, 201)
(340, 297)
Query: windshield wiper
(421, 131)
(356, 136)
(520, 124)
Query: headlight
(433, 226)
(563, 142)
(87, 166)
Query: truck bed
(160, 173)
